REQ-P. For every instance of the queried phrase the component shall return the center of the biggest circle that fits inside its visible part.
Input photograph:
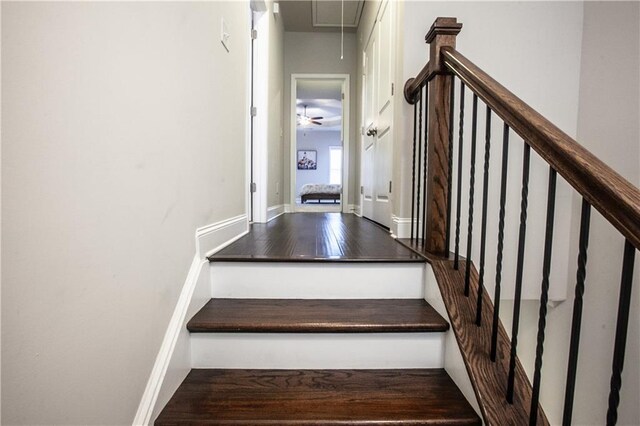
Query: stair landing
(318, 397)
(316, 237)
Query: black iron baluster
(544, 297)
(621, 332)
(450, 174)
(519, 269)
(459, 189)
(419, 103)
(483, 227)
(426, 155)
(577, 312)
(503, 200)
(413, 173)
(472, 179)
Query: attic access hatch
(329, 13)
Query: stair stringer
(453, 362)
(173, 361)
(488, 378)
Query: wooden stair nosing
(307, 259)
(317, 316)
(318, 397)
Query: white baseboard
(275, 211)
(357, 210)
(287, 208)
(173, 361)
(144, 415)
(211, 238)
(401, 226)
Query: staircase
(343, 341)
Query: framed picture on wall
(307, 160)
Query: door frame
(346, 139)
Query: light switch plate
(224, 34)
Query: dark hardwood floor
(317, 316)
(318, 397)
(312, 237)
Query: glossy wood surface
(317, 237)
(442, 33)
(489, 379)
(437, 200)
(612, 195)
(317, 316)
(318, 397)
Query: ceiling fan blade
(316, 122)
(316, 118)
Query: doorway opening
(319, 142)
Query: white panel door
(384, 113)
(369, 118)
(377, 144)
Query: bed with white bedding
(320, 191)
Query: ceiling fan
(304, 119)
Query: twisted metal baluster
(459, 190)
(426, 155)
(576, 320)
(472, 180)
(519, 269)
(503, 200)
(419, 103)
(621, 332)
(413, 172)
(483, 228)
(544, 297)
(450, 173)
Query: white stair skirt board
(454, 363)
(317, 280)
(314, 351)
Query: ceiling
(323, 98)
(320, 15)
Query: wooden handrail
(611, 194)
(413, 86)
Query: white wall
(319, 53)
(319, 141)
(124, 129)
(520, 44)
(607, 126)
(578, 65)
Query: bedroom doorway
(319, 142)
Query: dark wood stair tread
(317, 316)
(318, 397)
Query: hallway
(317, 237)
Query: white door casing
(346, 140)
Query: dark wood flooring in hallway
(317, 237)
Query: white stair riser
(317, 280)
(315, 351)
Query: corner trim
(401, 226)
(211, 238)
(275, 211)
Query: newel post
(443, 33)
